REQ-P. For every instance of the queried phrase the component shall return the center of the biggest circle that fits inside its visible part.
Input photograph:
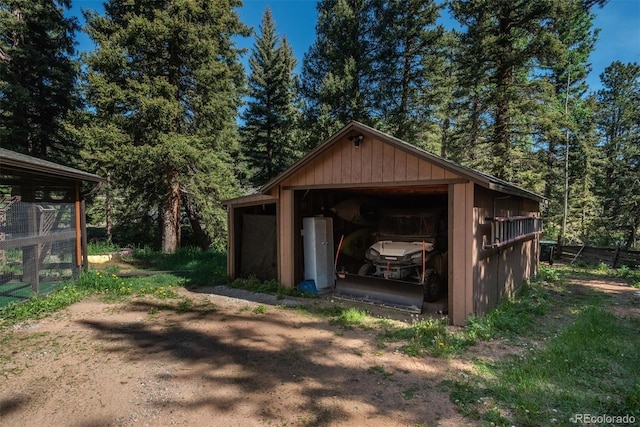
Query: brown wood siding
(498, 274)
(295, 178)
(345, 153)
(374, 162)
(495, 203)
(400, 166)
(318, 170)
(336, 163)
(412, 168)
(286, 243)
(327, 169)
(367, 165)
(377, 150)
(388, 163)
(231, 242)
(450, 175)
(436, 173)
(356, 164)
(460, 252)
(424, 170)
(530, 206)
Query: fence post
(31, 253)
(616, 255)
(83, 230)
(558, 254)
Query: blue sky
(619, 23)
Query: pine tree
(515, 60)
(337, 70)
(406, 45)
(470, 136)
(165, 83)
(618, 122)
(583, 204)
(37, 77)
(560, 125)
(268, 142)
(444, 91)
(503, 41)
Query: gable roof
(480, 178)
(10, 160)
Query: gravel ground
(228, 357)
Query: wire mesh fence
(37, 247)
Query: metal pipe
(335, 264)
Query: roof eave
(43, 167)
(516, 191)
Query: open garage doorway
(409, 223)
(255, 232)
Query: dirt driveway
(206, 359)
(214, 361)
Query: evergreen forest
(178, 118)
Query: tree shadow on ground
(244, 358)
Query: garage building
(492, 226)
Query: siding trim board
(356, 186)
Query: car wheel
(432, 287)
(367, 270)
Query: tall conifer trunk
(199, 236)
(171, 215)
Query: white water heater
(317, 237)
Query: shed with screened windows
(42, 224)
(491, 242)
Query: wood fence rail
(613, 257)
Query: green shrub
(99, 282)
(427, 336)
(548, 273)
(37, 306)
(192, 267)
(261, 309)
(511, 316)
(350, 317)
(100, 247)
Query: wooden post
(231, 242)
(78, 226)
(31, 254)
(286, 274)
(616, 255)
(83, 232)
(460, 253)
